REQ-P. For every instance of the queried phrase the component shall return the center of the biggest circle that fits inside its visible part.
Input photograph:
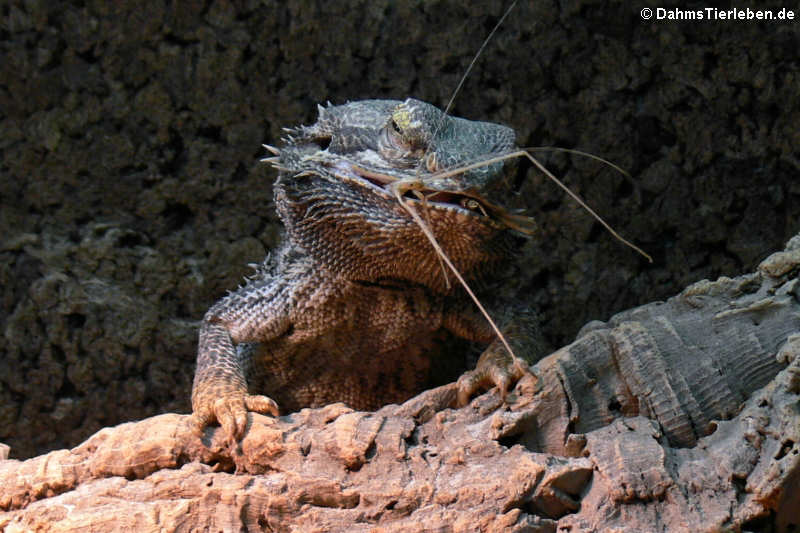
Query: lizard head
(388, 141)
(337, 177)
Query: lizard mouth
(367, 173)
(371, 176)
(384, 182)
(468, 202)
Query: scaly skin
(355, 306)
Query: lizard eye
(395, 127)
(394, 138)
(397, 145)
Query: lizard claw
(261, 404)
(495, 368)
(230, 410)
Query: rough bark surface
(131, 198)
(570, 451)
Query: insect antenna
(472, 64)
(580, 153)
(523, 152)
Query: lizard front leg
(496, 367)
(219, 391)
(257, 312)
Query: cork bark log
(674, 416)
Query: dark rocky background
(132, 197)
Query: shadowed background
(132, 197)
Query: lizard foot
(495, 368)
(230, 409)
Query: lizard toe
(231, 413)
(201, 419)
(261, 404)
(495, 368)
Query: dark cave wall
(132, 197)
